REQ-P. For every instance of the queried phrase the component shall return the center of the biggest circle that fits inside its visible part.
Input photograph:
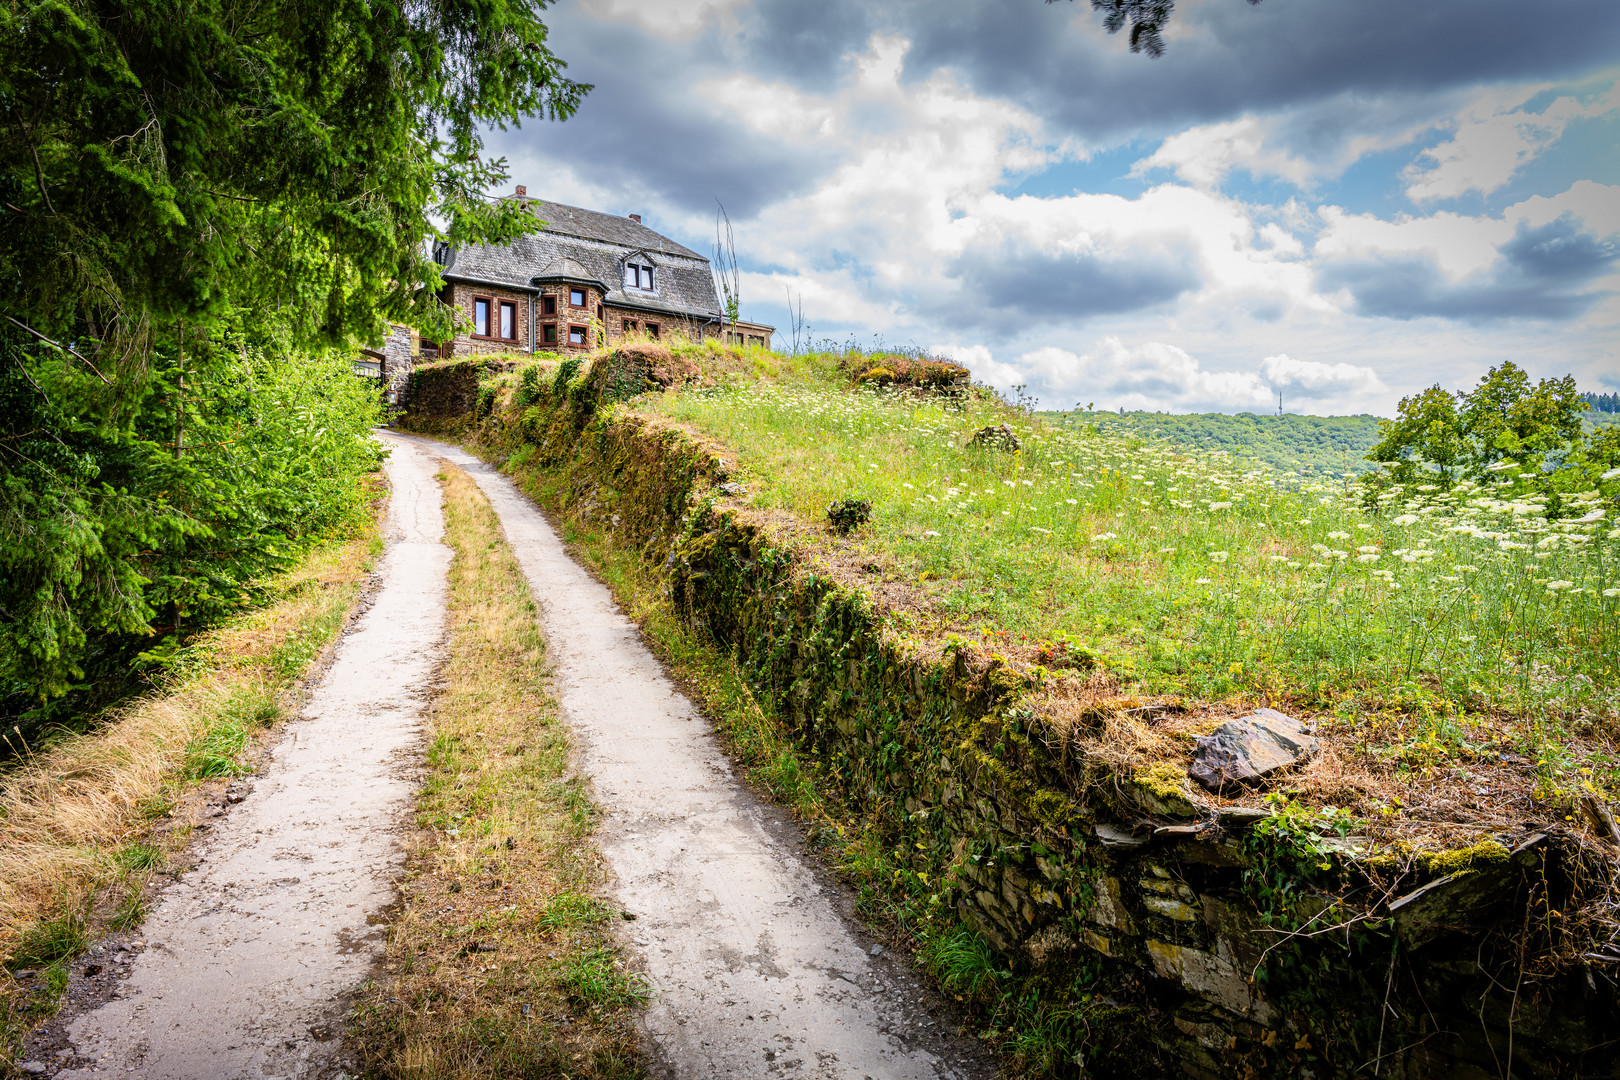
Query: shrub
(847, 515)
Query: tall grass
(75, 849)
(1188, 574)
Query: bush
(847, 515)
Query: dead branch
(59, 345)
(1601, 817)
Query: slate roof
(578, 243)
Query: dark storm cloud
(1226, 57)
(1541, 275)
(1013, 284)
(805, 44)
(644, 132)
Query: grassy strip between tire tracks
(501, 961)
(90, 825)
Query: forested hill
(1337, 444)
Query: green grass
(51, 941)
(1191, 574)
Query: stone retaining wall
(1229, 945)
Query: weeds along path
(250, 956)
(755, 972)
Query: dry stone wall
(1181, 941)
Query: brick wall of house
(595, 317)
(460, 295)
(567, 315)
(617, 318)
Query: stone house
(588, 280)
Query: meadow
(1486, 624)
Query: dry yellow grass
(501, 961)
(67, 814)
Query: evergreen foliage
(199, 204)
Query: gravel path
(758, 971)
(250, 957)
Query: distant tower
(1279, 403)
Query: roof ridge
(626, 228)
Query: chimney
(522, 190)
(636, 218)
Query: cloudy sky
(1344, 200)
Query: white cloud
(1112, 374)
(1460, 244)
(1490, 144)
(1463, 245)
(1204, 156)
(1313, 379)
(1301, 146)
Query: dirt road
(757, 971)
(251, 955)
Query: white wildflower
(1201, 581)
(1407, 519)
(1559, 586)
(1336, 535)
(1219, 556)
(1100, 537)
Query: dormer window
(638, 276)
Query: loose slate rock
(1242, 751)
